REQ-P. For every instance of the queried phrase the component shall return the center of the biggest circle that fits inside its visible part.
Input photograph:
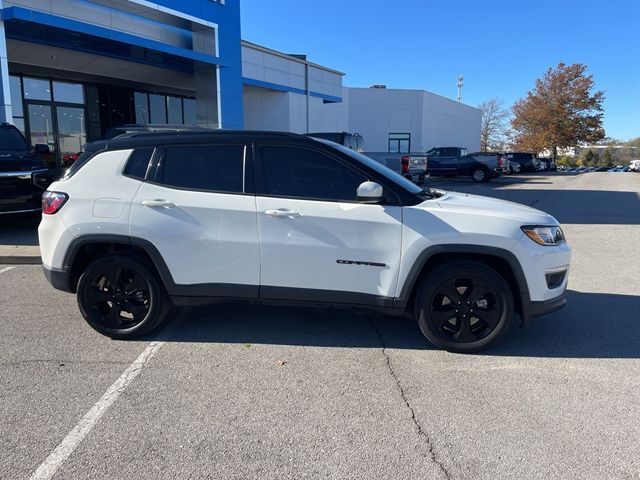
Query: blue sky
(499, 46)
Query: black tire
(120, 297)
(480, 175)
(478, 314)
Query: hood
(19, 161)
(476, 204)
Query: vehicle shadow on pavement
(21, 231)
(590, 326)
(283, 325)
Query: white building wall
(431, 120)
(275, 99)
(450, 123)
(266, 109)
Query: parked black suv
(23, 173)
(528, 161)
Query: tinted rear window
(138, 162)
(11, 139)
(217, 168)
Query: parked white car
(634, 165)
(150, 219)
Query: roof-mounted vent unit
(377, 85)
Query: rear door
(316, 241)
(199, 213)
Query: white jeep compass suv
(147, 220)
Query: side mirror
(370, 192)
(41, 148)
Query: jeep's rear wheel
(464, 306)
(120, 297)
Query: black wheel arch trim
(462, 249)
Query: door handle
(158, 203)
(282, 212)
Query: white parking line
(6, 269)
(50, 466)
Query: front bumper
(531, 309)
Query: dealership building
(72, 69)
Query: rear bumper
(532, 309)
(59, 279)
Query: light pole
(460, 85)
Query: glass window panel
(68, 92)
(15, 84)
(174, 110)
(142, 107)
(71, 129)
(19, 123)
(190, 116)
(36, 89)
(158, 108)
(302, 173)
(138, 163)
(213, 168)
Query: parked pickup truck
(411, 165)
(453, 161)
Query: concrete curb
(20, 255)
(20, 260)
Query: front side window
(304, 173)
(216, 168)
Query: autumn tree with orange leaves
(560, 112)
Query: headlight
(544, 235)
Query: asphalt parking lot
(242, 391)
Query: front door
(316, 241)
(202, 220)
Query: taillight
(501, 161)
(405, 163)
(52, 202)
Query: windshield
(378, 167)
(11, 139)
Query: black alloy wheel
(120, 297)
(464, 306)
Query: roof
(147, 139)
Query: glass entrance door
(71, 132)
(41, 128)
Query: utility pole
(460, 85)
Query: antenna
(460, 85)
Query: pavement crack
(421, 432)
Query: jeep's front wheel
(464, 306)
(120, 297)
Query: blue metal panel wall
(227, 17)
